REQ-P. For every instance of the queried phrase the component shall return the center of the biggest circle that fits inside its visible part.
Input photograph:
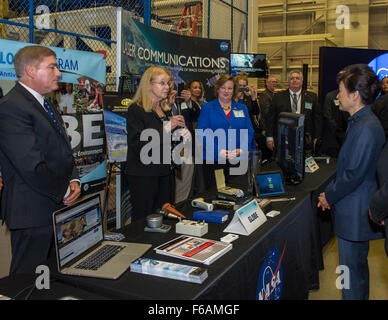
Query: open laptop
(80, 246)
(270, 184)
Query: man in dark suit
(378, 211)
(335, 123)
(265, 100)
(297, 100)
(380, 109)
(36, 159)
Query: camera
(244, 89)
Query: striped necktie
(49, 110)
(294, 103)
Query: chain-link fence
(91, 25)
(86, 25)
(217, 19)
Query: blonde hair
(142, 96)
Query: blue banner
(188, 58)
(73, 64)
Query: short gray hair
(271, 76)
(295, 71)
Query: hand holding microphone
(177, 121)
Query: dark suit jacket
(335, 123)
(351, 190)
(309, 107)
(36, 161)
(379, 203)
(253, 110)
(265, 100)
(380, 109)
(137, 121)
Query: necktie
(294, 103)
(50, 112)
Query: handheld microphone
(178, 107)
(167, 215)
(168, 208)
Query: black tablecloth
(296, 232)
(22, 286)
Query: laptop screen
(77, 228)
(270, 183)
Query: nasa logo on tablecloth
(270, 282)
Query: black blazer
(379, 202)
(380, 109)
(335, 124)
(253, 110)
(137, 121)
(309, 107)
(36, 161)
(265, 99)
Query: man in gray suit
(36, 159)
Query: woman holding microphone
(150, 182)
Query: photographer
(247, 96)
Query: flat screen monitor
(334, 59)
(254, 65)
(290, 146)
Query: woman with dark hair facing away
(349, 194)
(225, 132)
(149, 169)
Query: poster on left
(79, 99)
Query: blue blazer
(351, 190)
(213, 117)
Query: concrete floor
(378, 269)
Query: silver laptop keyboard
(101, 256)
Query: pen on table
(282, 199)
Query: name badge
(184, 106)
(238, 114)
(308, 105)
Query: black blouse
(137, 121)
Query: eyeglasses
(226, 88)
(162, 83)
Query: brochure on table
(169, 270)
(246, 219)
(194, 249)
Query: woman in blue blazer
(225, 132)
(350, 192)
